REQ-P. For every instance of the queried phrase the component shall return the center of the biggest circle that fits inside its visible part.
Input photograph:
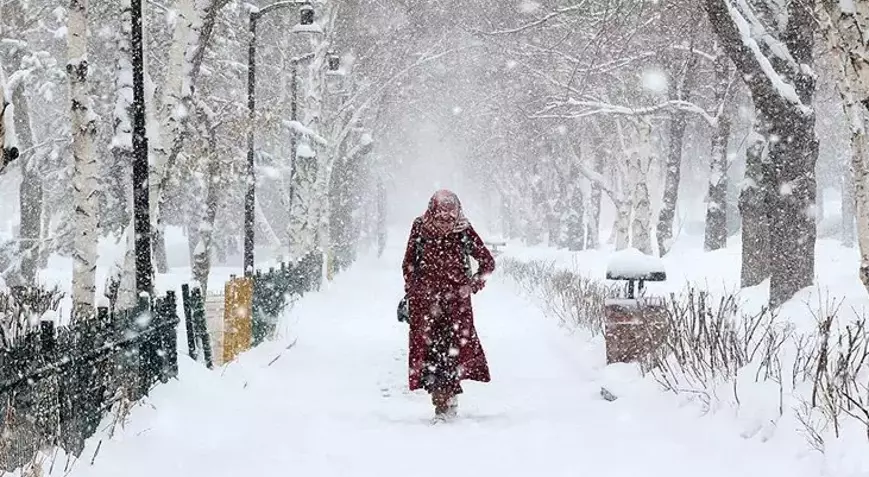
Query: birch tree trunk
(84, 166)
(122, 150)
(172, 116)
(621, 229)
(205, 228)
(848, 204)
(844, 29)
(31, 188)
(30, 191)
(640, 164)
(716, 208)
(309, 202)
(193, 30)
(860, 165)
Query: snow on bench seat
(631, 264)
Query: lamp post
(141, 199)
(306, 22)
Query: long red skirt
(443, 342)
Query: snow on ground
(336, 403)
(756, 409)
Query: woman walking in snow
(444, 347)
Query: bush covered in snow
(22, 308)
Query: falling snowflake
(655, 80)
(528, 6)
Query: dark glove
(477, 283)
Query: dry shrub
(710, 340)
(571, 298)
(836, 362)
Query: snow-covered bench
(494, 244)
(635, 267)
(635, 325)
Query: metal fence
(274, 290)
(56, 383)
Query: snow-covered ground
(329, 398)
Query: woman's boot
(452, 407)
(441, 402)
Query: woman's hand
(475, 284)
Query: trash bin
(635, 324)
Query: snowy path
(336, 404)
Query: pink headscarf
(444, 214)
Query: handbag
(404, 310)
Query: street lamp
(141, 198)
(306, 24)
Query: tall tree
(84, 129)
(771, 45)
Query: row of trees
(564, 108)
(68, 68)
(614, 99)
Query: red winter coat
(438, 287)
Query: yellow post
(237, 317)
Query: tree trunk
(593, 229)
(716, 210)
(621, 228)
(673, 172)
(859, 164)
(193, 31)
(85, 168)
(792, 225)
(30, 191)
(755, 224)
(201, 266)
(848, 202)
(122, 149)
(782, 93)
(641, 164)
(575, 237)
(843, 34)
